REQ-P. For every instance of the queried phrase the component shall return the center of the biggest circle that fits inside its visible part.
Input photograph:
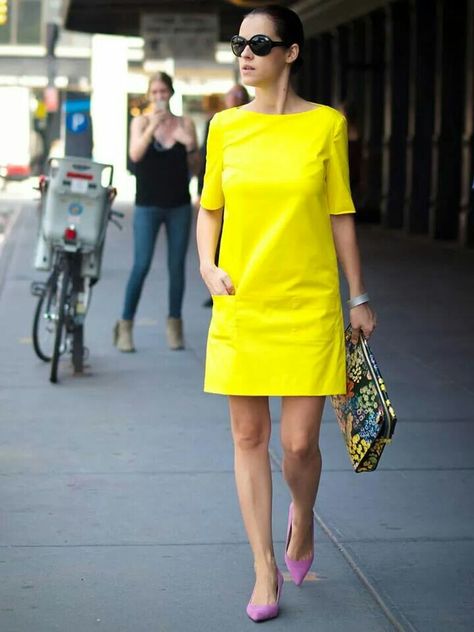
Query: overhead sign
(179, 35)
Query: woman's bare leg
(300, 425)
(251, 428)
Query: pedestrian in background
(279, 166)
(235, 97)
(163, 148)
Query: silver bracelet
(358, 300)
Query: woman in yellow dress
(279, 167)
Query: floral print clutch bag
(365, 415)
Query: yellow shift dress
(279, 178)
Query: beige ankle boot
(123, 338)
(174, 333)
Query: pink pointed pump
(268, 611)
(298, 569)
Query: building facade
(405, 69)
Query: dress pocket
(287, 321)
(222, 327)
(313, 321)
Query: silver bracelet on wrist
(358, 300)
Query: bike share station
(75, 209)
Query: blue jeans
(146, 225)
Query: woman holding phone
(163, 148)
(279, 165)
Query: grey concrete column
(372, 138)
(357, 68)
(311, 68)
(306, 80)
(421, 115)
(110, 124)
(340, 52)
(396, 113)
(305, 76)
(324, 68)
(467, 183)
(449, 119)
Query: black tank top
(162, 176)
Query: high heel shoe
(298, 569)
(268, 611)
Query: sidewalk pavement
(119, 511)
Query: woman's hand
(362, 319)
(155, 120)
(217, 280)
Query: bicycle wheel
(44, 320)
(64, 289)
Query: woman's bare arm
(142, 129)
(208, 229)
(345, 241)
(185, 133)
(194, 157)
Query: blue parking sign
(77, 122)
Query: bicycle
(71, 248)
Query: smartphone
(160, 105)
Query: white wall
(15, 126)
(109, 72)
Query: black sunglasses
(260, 45)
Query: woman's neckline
(318, 106)
(162, 148)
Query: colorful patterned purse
(365, 415)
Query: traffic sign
(77, 122)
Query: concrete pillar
(312, 68)
(324, 68)
(307, 77)
(467, 184)
(109, 69)
(356, 68)
(449, 119)
(302, 79)
(340, 52)
(372, 138)
(421, 115)
(396, 114)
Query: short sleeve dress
(279, 178)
